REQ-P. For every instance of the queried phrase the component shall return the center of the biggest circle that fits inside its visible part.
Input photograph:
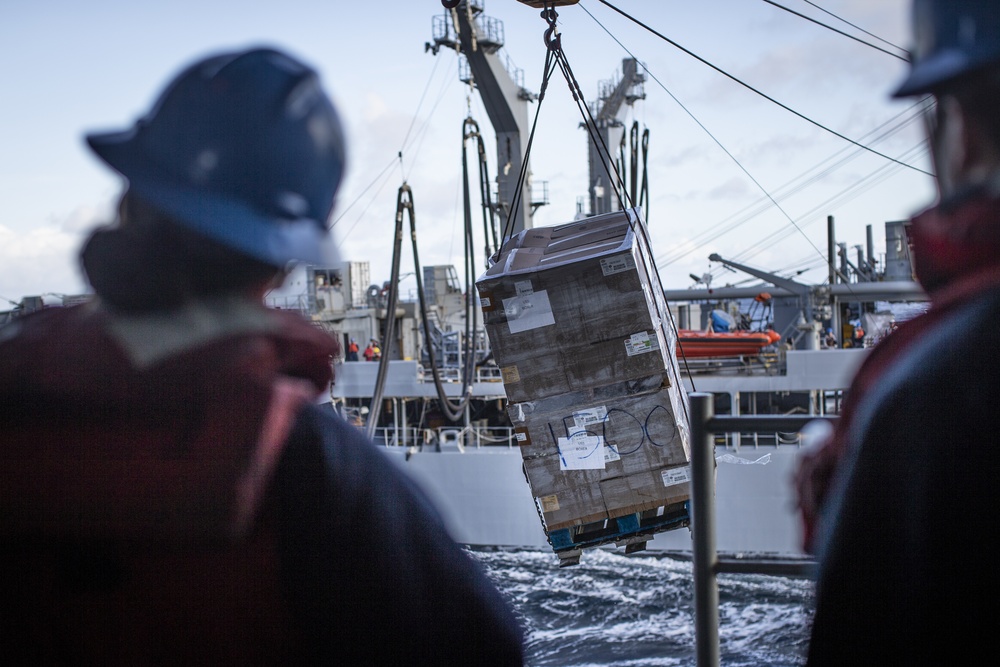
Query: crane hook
(553, 40)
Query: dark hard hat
(245, 148)
(952, 38)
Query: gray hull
(485, 500)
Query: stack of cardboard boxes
(575, 318)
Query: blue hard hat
(952, 38)
(243, 147)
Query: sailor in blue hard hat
(901, 505)
(245, 148)
(172, 488)
(955, 56)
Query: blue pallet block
(631, 531)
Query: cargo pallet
(632, 531)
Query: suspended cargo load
(575, 305)
(574, 315)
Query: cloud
(42, 258)
(84, 217)
(734, 188)
(39, 260)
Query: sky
(718, 153)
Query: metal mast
(506, 100)
(612, 94)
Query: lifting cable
(554, 43)
(508, 228)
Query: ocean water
(613, 610)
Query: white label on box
(581, 452)
(527, 312)
(584, 418)
(617, 264)
(611, 454)
(520, 436)
(484, 302)
(640, 343)
(676, 475)
(523, 288)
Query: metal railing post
(705, 558)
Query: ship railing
(454, 374)
(298, 303)
(491, 436)
(398, 436)
(446, 438)
(755, 439)
(705, 558)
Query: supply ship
(441, 402)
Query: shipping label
(529, 311)
(509, 375)
(675, 476)
(523, 288)
(485, 303)
(584, 418)
(581, 452)
(640, 343)
(617, 264)
(549, 503)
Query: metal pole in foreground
(705, 558)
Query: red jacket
(169, 494)
(149, 448)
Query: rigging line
(751, 88)
(422, 133)
(637, 225)
(839, 32)
(837, 200)
(856, 27)
(361, 215)
(832, 203)
(421, 102)
(786, 190)
(362, 194)
(840, 198)
(695, 119)
(508, 227)
(617, 183)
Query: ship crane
(463, 27)
(608, 125)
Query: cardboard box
(576, 305)
(575, 318)
(603, 452)
(565, 504)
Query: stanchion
(705, 557)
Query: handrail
(705, 558)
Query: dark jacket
(169, 492)
(908, 532)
